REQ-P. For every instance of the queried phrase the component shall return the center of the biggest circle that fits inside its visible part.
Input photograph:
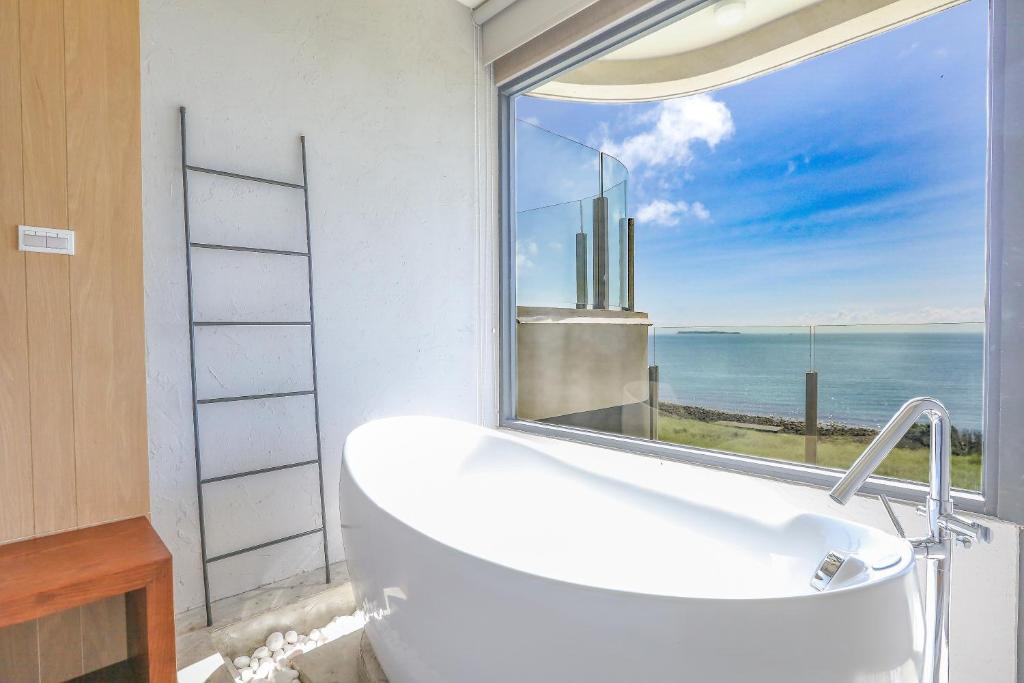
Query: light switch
(46, 240)
(33, 240)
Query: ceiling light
(730, 12)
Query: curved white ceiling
(728, 41)
(706, 26)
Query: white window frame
(1002, 489)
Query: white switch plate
(46, 240)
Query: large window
(768, 267)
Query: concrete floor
(349, 659)
(242, 621)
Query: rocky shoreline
(965, 442)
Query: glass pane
(614, 171)
(866, 372)
(552, 169)
(546, 253)
(848, 187)
(617, 266)
(735, 389)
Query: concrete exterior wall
(388, 96)
(581, 361)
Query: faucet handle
(892, 515)
(963, 531)
(966, 532)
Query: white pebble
(316, 635)
(291, 637)
(275, 641)
(289, 674)
(247, 674)
(265, 668)
(241, 662)
(277, 655)
(261, 652)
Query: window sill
(795, 473)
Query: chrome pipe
(944, 527)
(886, 440)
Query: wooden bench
(51, 574)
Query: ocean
(864, 375)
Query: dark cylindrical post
(630, 265)
(652, 383)
(581, 270)
(811, 417)
(601, 252)
(622, 252)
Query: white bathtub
(486, 557)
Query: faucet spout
(887, 439)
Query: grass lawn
(837, 452)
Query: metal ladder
(197, 402)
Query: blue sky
(848, 188)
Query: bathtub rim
(907, 558)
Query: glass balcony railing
(818, 394)
(572, 223)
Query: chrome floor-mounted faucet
(944, 527)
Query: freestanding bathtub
(482, 556)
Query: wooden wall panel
(100, 622)
(105, 208)
(75, 642)
(16, 512)
(73, 449)
(60, 646)
(44, 140)
(19, 653)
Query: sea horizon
(863, 375)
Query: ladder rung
(264, 470)
(260, 546)
(257, 250)
(253, 323)
(242, 176)
(253, 397)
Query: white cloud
(674, 126)
(666, 213)
(661, 212)
(907, 51)
(525, 251)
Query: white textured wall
(388, 95)
(390, 99)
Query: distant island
(705, 332)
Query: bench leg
(150, 621)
